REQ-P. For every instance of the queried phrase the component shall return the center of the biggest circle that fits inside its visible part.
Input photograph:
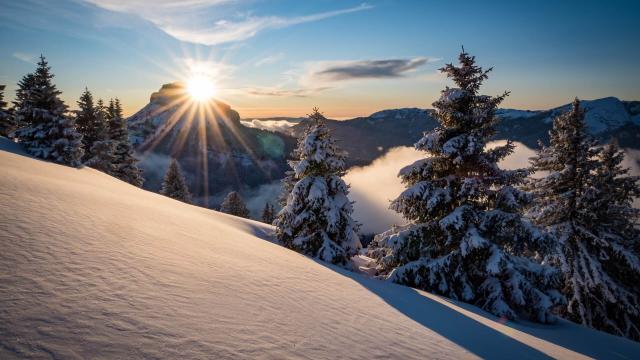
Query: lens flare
(201, 88)
(195, 106)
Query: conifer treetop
(174, 184)
(316, 216)
(43, 125)
(317, 152)
(465, 237)
(234, 205)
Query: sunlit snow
(91, 267)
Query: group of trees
(566, 244)
(105, 139)
(94, 135)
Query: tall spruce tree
(617, 225)
(125, 163)
(268, 213)
(102, 152)
(174, 184)
(86, 118)
(7, 121)
(316, 219)
(288, 183)
(234, 205)
(585, 202)
(466, 238)
(25, 99)
(613, 193)
(45, 129)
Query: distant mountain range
(366, 138)
(241, 154)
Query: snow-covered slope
(91, 267)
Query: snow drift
(92, 267)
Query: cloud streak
(366, 69)
(268, 60)
(193, 20)
(277, 92)
(28, 58)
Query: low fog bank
(254, 198)
(374, 186)
(276, 125)
(258, 197)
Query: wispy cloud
(149, 6)
(271, 59)
(193, 20)
(365, 69)
(278, 92)
(28, 58)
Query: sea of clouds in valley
(374, 186)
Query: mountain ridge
(259, 148)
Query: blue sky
(349, 58)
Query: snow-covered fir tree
(317, 217)
(613, 192)
(234, 205)
(126, 168)
(7, 122)
(585, 201)
(86, 118)
(617, 224)
(287, 182)
(174, 184)
(466, 237)
(45, 129)
(24, 98)
(102, 152)
(268, 213)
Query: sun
(201, 87)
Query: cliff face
(215, 151)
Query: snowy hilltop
(93, 267)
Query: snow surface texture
(92, 267)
